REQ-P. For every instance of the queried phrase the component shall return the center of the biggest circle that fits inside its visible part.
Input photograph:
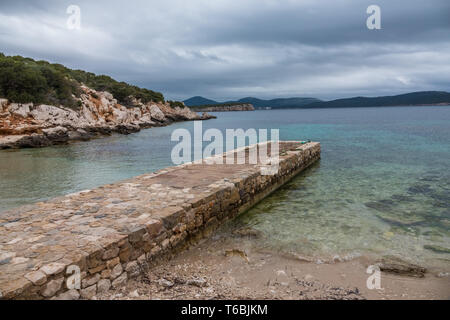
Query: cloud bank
(230, 49)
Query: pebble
(308, 277)
(281, 273)
(134, 294)
(200, 282)
(165, 283)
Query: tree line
(25, 80)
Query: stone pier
(82, 244)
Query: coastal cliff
(99, 113)
(224, 107)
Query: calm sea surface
(382, 187)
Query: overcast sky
(236, 48)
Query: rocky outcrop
(402, 268)
(28, 125)
(220, 108)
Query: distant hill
(257, 103)
(199, 101)
(279, 103)
(236, 106)
(408, 99)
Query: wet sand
(228, 267)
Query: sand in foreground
(234, 268)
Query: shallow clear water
(381, 188)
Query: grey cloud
(230, 49)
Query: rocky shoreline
(28, 125)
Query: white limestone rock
(156, 113)
(19, 109)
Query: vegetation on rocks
(174, 104)
(24, 80)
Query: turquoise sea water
(382, 187)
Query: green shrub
(174, 104)
(25, 80)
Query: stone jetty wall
(114, 232)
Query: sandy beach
(232, 267)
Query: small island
(223, 107)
